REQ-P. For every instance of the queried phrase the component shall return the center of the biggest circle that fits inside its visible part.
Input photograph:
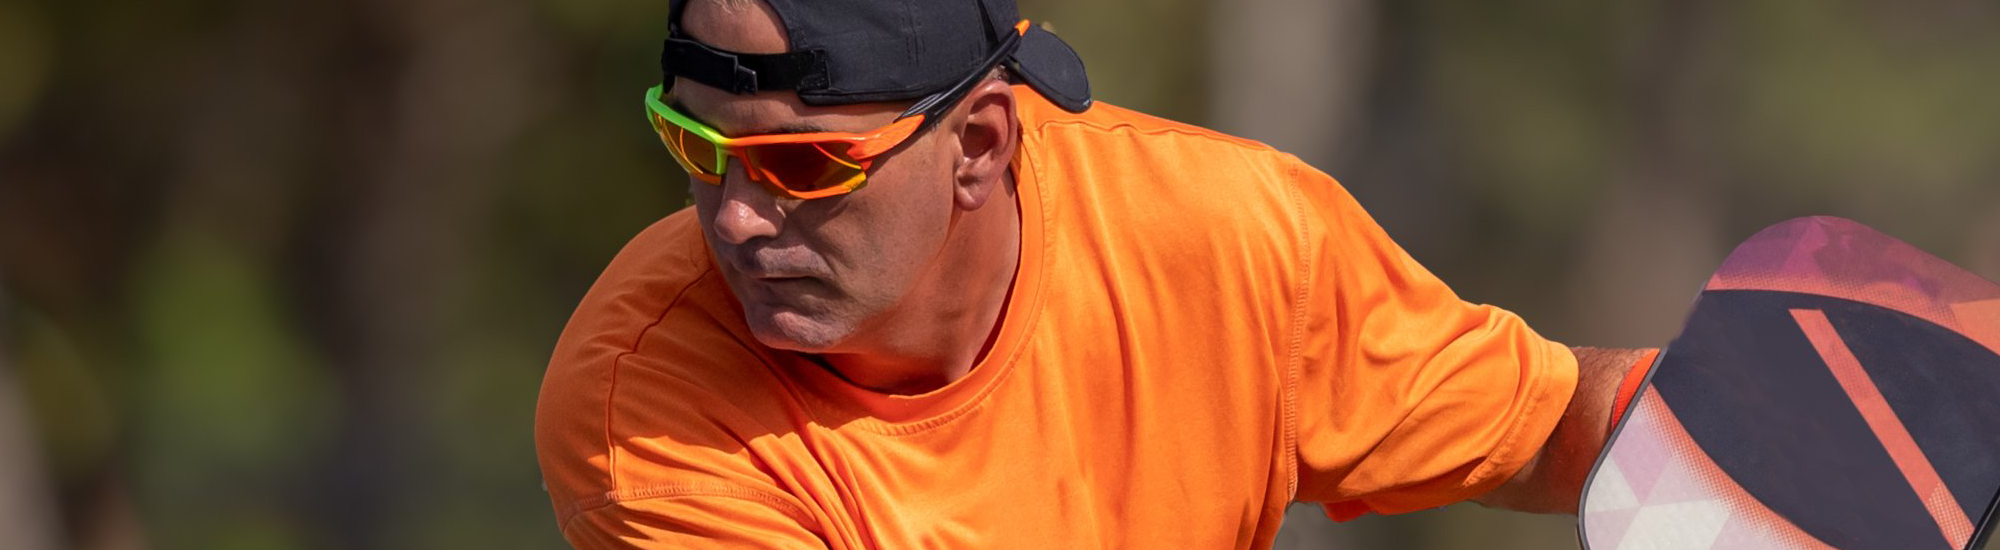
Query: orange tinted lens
(807, 166)
(700, 153)
(695, 155)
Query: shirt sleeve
(690, 521)
(1404, 396)
(674, 471)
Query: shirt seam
(611, 391)
(1295, 354)
(1241, 143)
(692, 490)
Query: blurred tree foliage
(284, 274)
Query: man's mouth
(777, 277)
(777, 265)
(768, 275)
(774, 271)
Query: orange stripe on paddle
(1923, 478)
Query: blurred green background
(283, 275)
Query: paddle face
(1834, 388)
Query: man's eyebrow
(682, 108)
(798, 128)
(786, 128)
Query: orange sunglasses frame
(860, 149)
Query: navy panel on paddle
(1951, 406)
(1744, 364)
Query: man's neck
(939, 331)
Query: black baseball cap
(858, 51)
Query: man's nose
(747, 211)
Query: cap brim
(1053, 70)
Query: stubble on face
(856, 256)
(811, 275)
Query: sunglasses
(805, 165)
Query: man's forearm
(1553, 480)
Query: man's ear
(987, 137)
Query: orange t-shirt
(1202, 330)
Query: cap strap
(743, 73)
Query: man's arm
(1553, 481)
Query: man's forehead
(776, 112)
(745, 26)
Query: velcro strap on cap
(742, 73)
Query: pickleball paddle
(1833, 388)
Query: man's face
(811, 273)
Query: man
(930, 296)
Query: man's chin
(790, 330)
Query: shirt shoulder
(1139, 144)
(1142, 191)
(654, 387)
(1122, 161)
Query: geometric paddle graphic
(1833, 388)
